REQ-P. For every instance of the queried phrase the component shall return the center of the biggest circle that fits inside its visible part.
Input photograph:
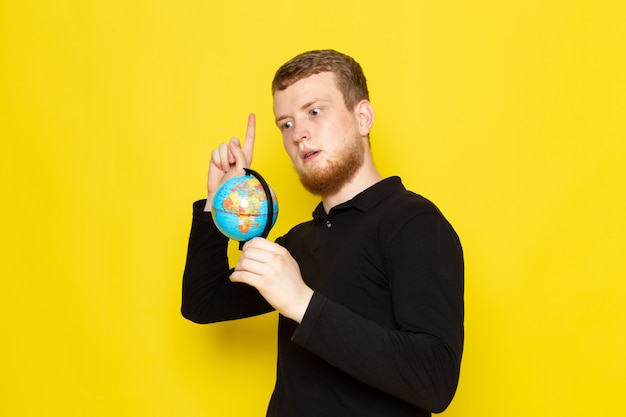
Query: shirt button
(328, 224)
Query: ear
(365, 116)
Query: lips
(308, 154)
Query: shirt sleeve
(208, 295)
(419, 361)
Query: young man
(370, 291)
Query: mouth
(307, 155)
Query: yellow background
(509, 115)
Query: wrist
(303, 305)
(208, 206)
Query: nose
(301, 133)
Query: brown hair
(349, 75)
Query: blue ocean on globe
(240, 208)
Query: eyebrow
(304, 106)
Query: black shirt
(383, 334)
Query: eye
(316, 111)
(287, 125)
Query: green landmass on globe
(240, 208)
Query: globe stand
(270, 204)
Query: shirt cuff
(306, 328)
(199, 213)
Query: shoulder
(404, 212)
(397, 200)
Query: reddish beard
(329, 180)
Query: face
(321, 136)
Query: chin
(330, 178)
(328, 181)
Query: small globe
(240, 207)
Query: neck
(365, 177)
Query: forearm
(208, 295)
(416, 367)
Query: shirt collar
(366, 199)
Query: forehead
(317, 86)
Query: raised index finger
(248, 145)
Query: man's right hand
(229, 160)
